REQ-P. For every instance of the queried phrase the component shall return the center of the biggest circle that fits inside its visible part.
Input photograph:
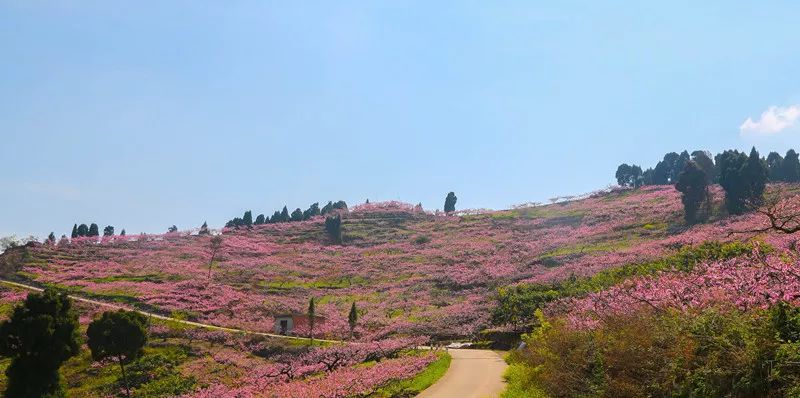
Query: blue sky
(146, 114)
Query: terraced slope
(409, 272)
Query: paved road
(472, 374)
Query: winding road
(472, 374)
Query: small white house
(286, 323)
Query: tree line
(779, 168)
(284, 216)
(82, 230)
(743, 177)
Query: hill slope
(409, 272)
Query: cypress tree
(352, 318)
(450, 202)
(297, 215)
(311, 313)
(775, 166)
(755, 178)
(83, 230)
(247, 219)
(790, 167)
(731, 164)
(108, 230)
(94, 230)
(259, 220)
(284, 214)
(74, 231)
(692, 184)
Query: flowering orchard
(410, 272)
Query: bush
(718, 352)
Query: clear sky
(146, 114)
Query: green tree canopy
(39, 337)
(120, 335)
(297, 215)
(693, 186)
(450, 202)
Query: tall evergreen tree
(297, 215)
(352, 319)
(259, 220)
(39, 337)
(755, 178)
(108, 230)
(790, 167)
(693, 186)
(774, 166)
(327, 208)
(203, 229)
(333, 224)
(276, 217)
(311, 315)
(284, 214)
(678, 166)
(730, 165)
(647, 177)
(703, 161)
(51, 239)
(83, 230)
(94, 230)
(450, 203)
(312, 211)
(122, 233)
(74, 231)
(340, 205)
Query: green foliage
(120, 335)
(692, 184)
(743, 178)
(515, 305)
(83, 230)
(450, 202)
(708, 353)
(156, 375)
(247, 218)
(422, 239)
(259, 220)
(297, 215)
(108, 230)
(333, 225)
(311, 315)
(352, 318)
(40, 336)
(94, 230)
(629, 176)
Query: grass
(413, 386)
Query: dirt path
(165, 318)
(472, 374)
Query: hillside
(410, 272)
